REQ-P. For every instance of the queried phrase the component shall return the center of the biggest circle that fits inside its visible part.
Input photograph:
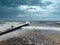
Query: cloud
(37, 12)
(28, 9)
(15, 3)
(37, 9)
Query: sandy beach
(19, 32)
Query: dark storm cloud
(18, 2)
(9, 12)
(14, 3)
(9, 8)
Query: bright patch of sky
(38, 11)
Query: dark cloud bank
(9, 10)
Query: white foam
(43, 28)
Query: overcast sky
(22, 10)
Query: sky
(30, 10)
